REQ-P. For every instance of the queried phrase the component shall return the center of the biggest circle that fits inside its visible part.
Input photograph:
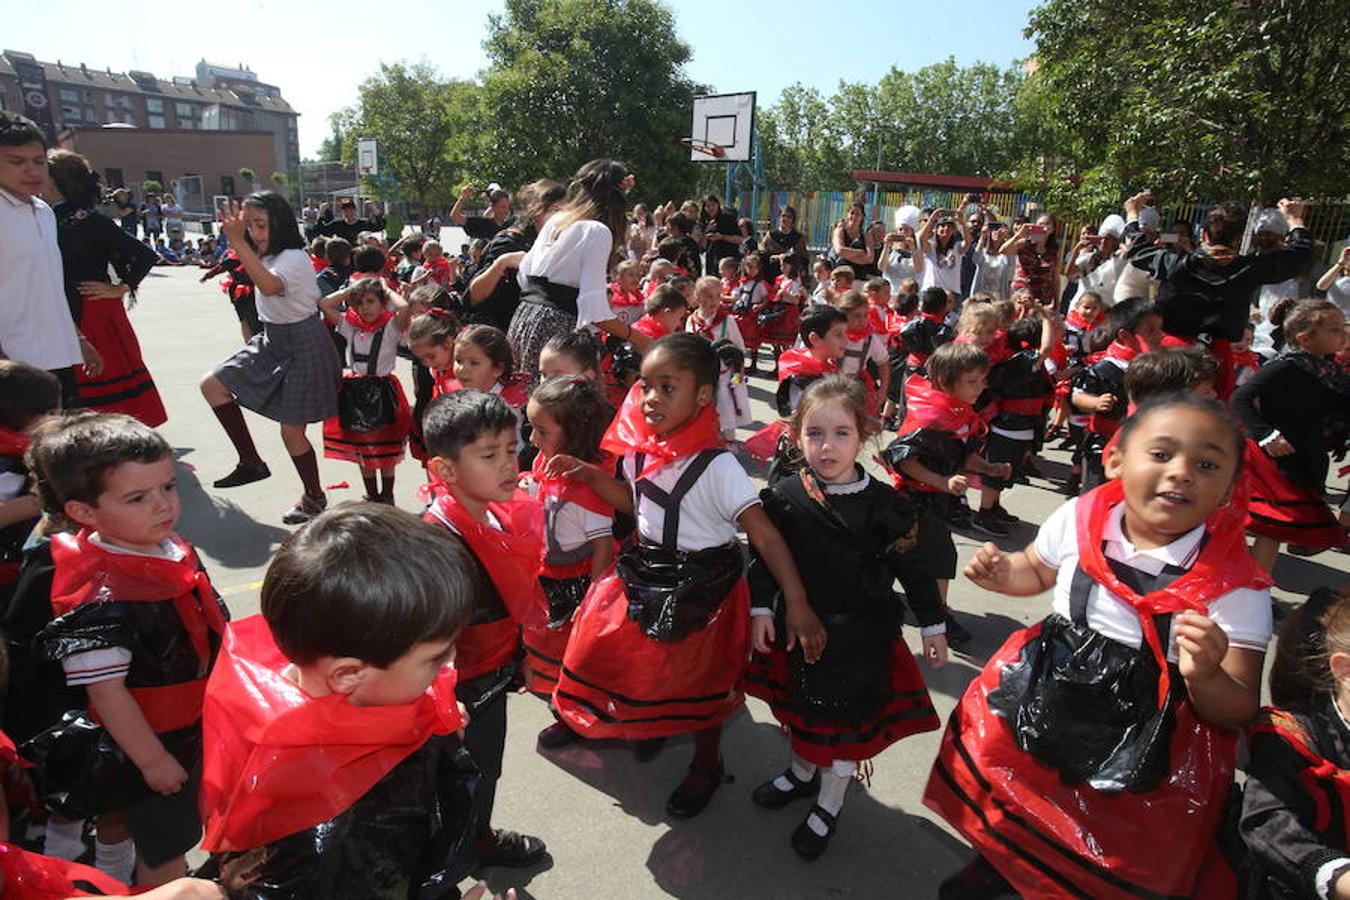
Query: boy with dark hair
(28, 395)
(681, 229)
(925, 333)
(332, 764)
(137, 626)
(471, 447)
(1170, 371)
(339, 270)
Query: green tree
(1208, 98)
(572, 80)
(803, 149)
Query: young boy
(471, 444)
(28, 395)
(625, 292)
(841, 282)
(1134, 326)
(339, 269)
(878, 294)
(435, 266)
(332, 764)
(657, 273)
(865, 357)
(937, 443)
(667, 308)
(924, 334)
(137, 626)
(681, 229)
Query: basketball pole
(755, 169)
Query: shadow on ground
(219, 528)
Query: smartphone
(1038, 229)
(1094, 239)
(1168, 240)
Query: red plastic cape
(650, 327)
(619, 297)
(876, 318)
(513, 394)
(360, 324)
(997, 351)
(569, 491)
(512, 557)
(630, 433)
(798, 361)
(278, 761)
(1076, 321)
(927, 407)
(32, 876)
(13, 443)
(1224, 565)
(1121, 351)
(1320, 777)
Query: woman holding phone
(1037, 250)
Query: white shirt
(858, 352)
(359, 341)
(994, 274)
(899, 267)
(572, 525)
(578, 258)
(1132, 282)
(709, 512)
(35, 323)
(1101, 280)
(946, 276)
(1339, 293)
(1243, 614)
(299, 297)
(1270, 294)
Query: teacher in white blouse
(564, 278)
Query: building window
(70, 95)
(71, 114)
(89, 97)
(156, 121)
(114, 177)
(185, 110)
(90, 114)
(154, 105)
(151, 175)
(227, 185)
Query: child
(728, 270)
(667, 309)
(709, 319)
(241, 291)
(1294, 800)
(569, 415)
(923, 335)
(330, 718)
(659, 647)
(1287, 407)
(852, 536)
(435, 267)
(752, 307)
(1093, 754)
(841, 282)
(471, 438)
(1245, 360)
(865, 357)
(28, 395)
(138, 626)
(938, 442)
(431, 337)
(820, 272)
(483, 362)
(1134, 326)
(878, 294)
(1084, 315)
(339, 268)
(824, 340)
(411, 247)
(660, 270)
(788, 285)
(318, 253)
(570, 353)
(625, 292)
(373, 421)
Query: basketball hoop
(709, 149)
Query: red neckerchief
(440, 270)
(997, 351)
(1076, 321)
(936, 318)
(444, 383)
(630, 433)
(1223, 565)
(650, 327)
(858, 335)
(1120, 351)
(619, 297)
(568, 490)
(798, 361)
(13, 443)
(729, 285)
(1244, 360)
(360, 324)
(928, 407)
(895, 322)
(876, 319)
(1321, 778)
(32, 876)
(705, 328)
(511, 556)
(318, 262)
(278, 761)
(86, 573)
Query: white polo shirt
(35, 323)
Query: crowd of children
(579, 539)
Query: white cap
(1149, 220)
(1113, 226)
(1271, 220)
(907, 215)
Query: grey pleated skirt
(531, 327)
(288, 373)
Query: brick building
(195, 133)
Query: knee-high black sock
(231, 418)
(387, 484)
(707, 748)
(372, 485)
(307, 466)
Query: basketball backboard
(727, 120)
(367, 156)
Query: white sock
(833, 787)
(64, 840)
(803, 770)
(117, 860)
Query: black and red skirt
(1278, 508)
(124, 385)
(617, 682)
(564, 587)
(781, 324)
(748, 323)
(382, 448)
(820, 737)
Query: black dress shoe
(557, 735)
(693, 794)
(806, 842)
(244, 473)
(770, 796)
(977, 881)
(511, 849)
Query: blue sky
(318, 53)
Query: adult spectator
(564, 276)
(36, 326)
(1132, 281)
(785, 241)
(940, 239)
(91, 244)
(431, 228)
(152, 218)
(1036, 248)
(1268, 236)
(374, 216)
(1336, 282)
(494, 292)
(976, 217)
(1096, 260)
(309, 215)
(485, 227)
(174, 231)
(993, 270)
(347, 226)
(721, 234)
(852, 243)
(641, 233)
(325, 213)
(124, 211)
(899, 259)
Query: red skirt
(782, 332)
(380, 449)
(124, 385)
(618, 683)
(907, 711)
(1279, 509)
(1052, 840)
(544, 649)
(749, 326)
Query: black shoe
(1003, 515)
(987, 521)
(806, 842)
(1301, 550)
(305, 508)
(1031, 470)
(511, 849)
(557, 735)
(977, 881)
(957, 634)
(960, 516)
(244, 473)
(693, 794)
(770, 796)
(647, 750)
(1072, 487)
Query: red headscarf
(630, 433)
(278, 761)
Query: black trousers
(485, 739)
(69, 392)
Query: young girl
(866, 358)
(753, 295)
(788, 286)
(431, 337)
(1287, 407)
(1245, 360)
(1083, 316)
(852, 537)
(1093, 754)
(820, 272)
(373, 420)
(483, 362)
(1298, 784)
(625, 292)
(710, 320)
(572, 353)
(569, 415)
(659, 647)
